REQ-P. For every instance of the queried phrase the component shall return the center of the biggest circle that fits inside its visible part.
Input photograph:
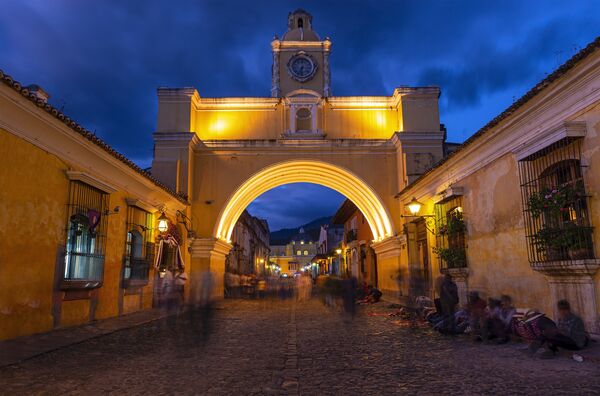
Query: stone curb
(24, 348)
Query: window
(450, 233)
(306, 252)
(139, 249)
(300, 23)
(303, 119)
(556, 214)
(86, 238)
(298, 253)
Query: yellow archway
(306, 171)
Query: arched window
(139, 249)
(306, 252)
(80, 249)
(300, 23)
(303, 119)
(85, 237)
(556, 211)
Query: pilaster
(573, 281)
(208, 254)
(392, 276)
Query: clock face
(302, 67)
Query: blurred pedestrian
(349, 295)
(201, 304)
(171, 299)
(448, 302)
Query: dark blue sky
(102, 60)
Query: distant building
(330, 238)
(358, 257)
(250, 239)
(296, 254)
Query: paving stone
(306, 349)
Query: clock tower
(300, 58)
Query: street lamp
(163, 223)
(414, 206)
(339, 253)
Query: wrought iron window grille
(555, 208)
(450, 234)
(86, 237)
(139, 247)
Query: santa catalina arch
(224, 152)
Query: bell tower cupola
(300, 58)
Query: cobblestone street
(285, 348)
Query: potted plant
(578, 241)
(548, 241)
(455, 224)
(571, 239)
(554, 200)
(454, 257)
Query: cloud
(102, 61)
(295, 204)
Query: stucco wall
(218, 174)
(591, 158)
(496, 245)
(33, 199)
(33, 194)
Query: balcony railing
(351, 235)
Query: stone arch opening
(306, 171)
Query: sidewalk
(23, 348)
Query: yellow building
(296, 254)
(484, 215)
(514, 209)
(225, 152)
(78, 231)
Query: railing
(555, 206)
(351, 235)
(82, 271)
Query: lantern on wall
(414, 206)
(163, 223)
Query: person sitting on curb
(534, 328)
(570, 333)
(477, 314)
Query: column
(208, 254)
(580, 291)
(392, 275)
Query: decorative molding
(389, 247)
(567, 269)
(567, 129)
(450, 192)
(457, 273)
(209, 248)
(90, 180)
(141, 204)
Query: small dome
(300, 27)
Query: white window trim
(550, 136)
(90, 180)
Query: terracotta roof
(532, 93)
(346, 209)
(8, 80)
